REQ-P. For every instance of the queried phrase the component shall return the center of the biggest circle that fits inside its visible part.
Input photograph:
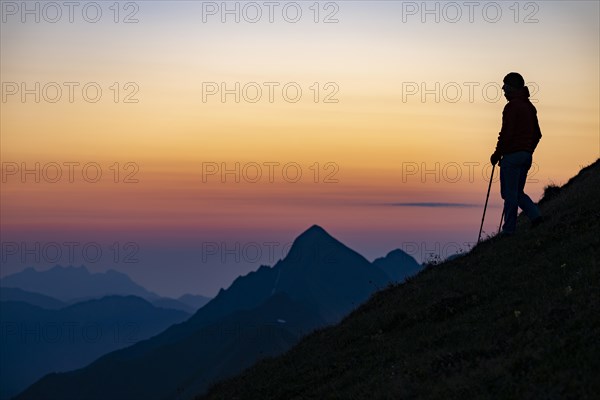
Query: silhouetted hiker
(517, 141)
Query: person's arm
(538, 131)
(507, 117)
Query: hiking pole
(486, 202)
(501, 218)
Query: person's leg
(509, 186)
(524, 201)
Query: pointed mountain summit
(318, 271)
(313, 235)
(323, 273)
(317, 247)
(314, 231)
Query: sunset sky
(387, 145)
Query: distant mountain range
(109, 302)
(36, 340)
(35, 299)
(188, 303)
(261, 314)
(75, 283)
(72, 284)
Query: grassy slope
(517, 317)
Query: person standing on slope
(518, 138)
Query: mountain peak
(313, 240)
(315, 231)
(398, 265)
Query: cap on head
(514, 80)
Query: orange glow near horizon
(376, 144)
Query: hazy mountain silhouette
(515, 318)
(318, 283)
(36, 299)
(166, 302)
(323, 273)
(75, 283)
(190, 303)
(194, 301)
(36, 341)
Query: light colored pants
(513, 174)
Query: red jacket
(520, 127)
